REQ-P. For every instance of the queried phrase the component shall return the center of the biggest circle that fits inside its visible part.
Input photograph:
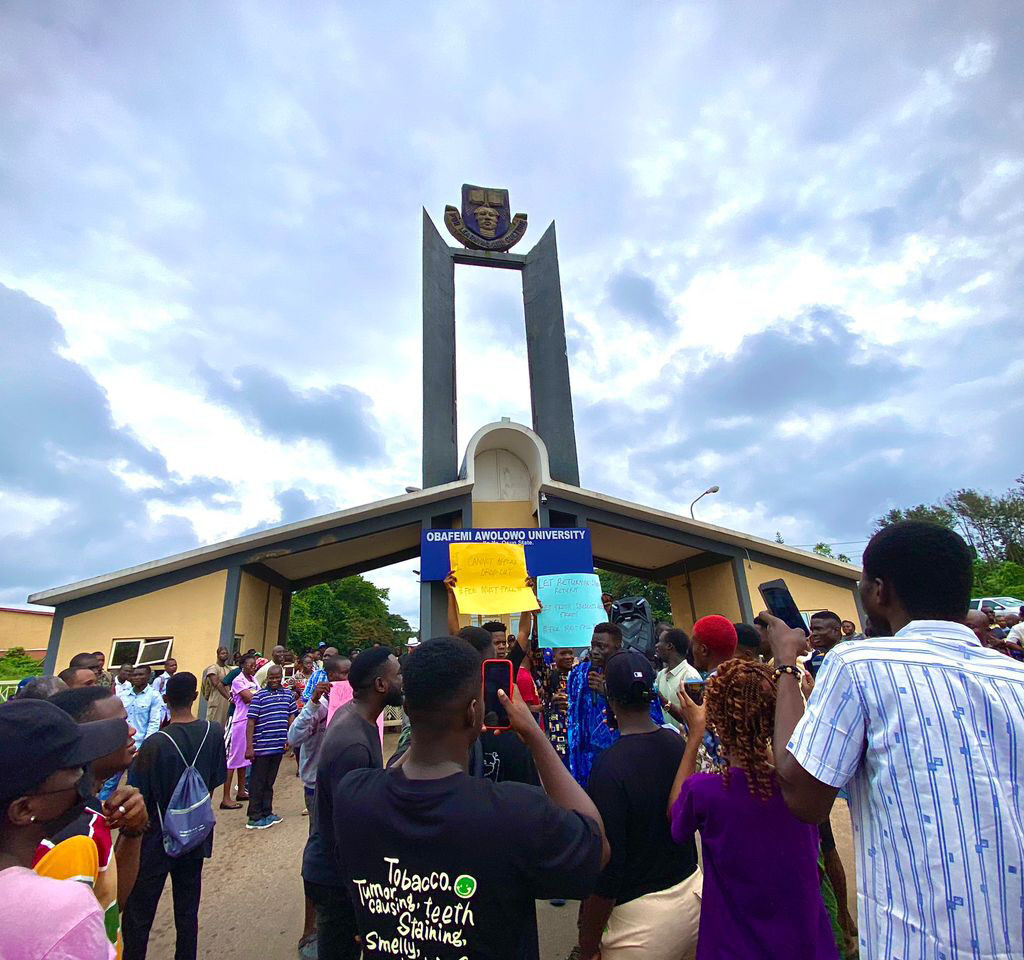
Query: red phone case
(511, 688)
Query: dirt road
(252, 893)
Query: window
(140, 651)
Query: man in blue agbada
(589, 732)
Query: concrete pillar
(550, 393)
(440, 449)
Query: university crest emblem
(486, 222)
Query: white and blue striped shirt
(927, 729)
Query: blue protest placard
(548, 550)
(571, 608)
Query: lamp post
(711, 489)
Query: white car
(1001, 605)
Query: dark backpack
(189, 818)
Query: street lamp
(712, 489)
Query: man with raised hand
(924, 728)
(447, 865)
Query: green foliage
(346, 614)
(936, 514)
(999, 579)
(656, 594)
(825, 550)
(994, 527)
(16, 664)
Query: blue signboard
(561, 550)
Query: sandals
(241, 796)
(230, 806)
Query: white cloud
(241, 188)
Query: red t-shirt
(527, 688)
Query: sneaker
(255, 824)
(273, 818)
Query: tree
(825, 550)
(935, 514)
(656, 594)
(346, 614)
(400, 629)
(16, 664)
(992, 524)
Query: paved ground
(252, 893)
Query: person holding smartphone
(435, 867)
(924, 728)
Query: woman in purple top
(762, 894)
(243, 689)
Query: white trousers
(657, 926)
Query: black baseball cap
(628, 677)
(38, 739)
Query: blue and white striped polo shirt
(927, 730)
(271, 710)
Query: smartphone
(694, 690)
(780, 603)
(497, 675)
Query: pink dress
(236, 750)
(341, 693)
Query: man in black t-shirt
(444, 865)
(351, 743)
(496, 755)
(647, 899)
(157, 768)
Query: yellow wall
(504, 513)
(679, 599)
(714, 591)
(25, 628)
(810, 595)
(257, 620)
(190, 612)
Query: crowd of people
(735, 742)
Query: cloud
(228, 227)
(295, 505)
(638, 298)
(339, 416)
(806, 427)
(81, 484)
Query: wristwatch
(787, 668)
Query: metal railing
(392, 717)
(8, 688)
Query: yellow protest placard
(491, 578)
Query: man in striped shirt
(271, 713)
(925, 728)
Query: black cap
(628, 677)
(38, 739)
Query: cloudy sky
(791, 239)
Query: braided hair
(741, 712)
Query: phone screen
(497, 676)
(780, 603)
(694, 690)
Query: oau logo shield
(486, 222)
